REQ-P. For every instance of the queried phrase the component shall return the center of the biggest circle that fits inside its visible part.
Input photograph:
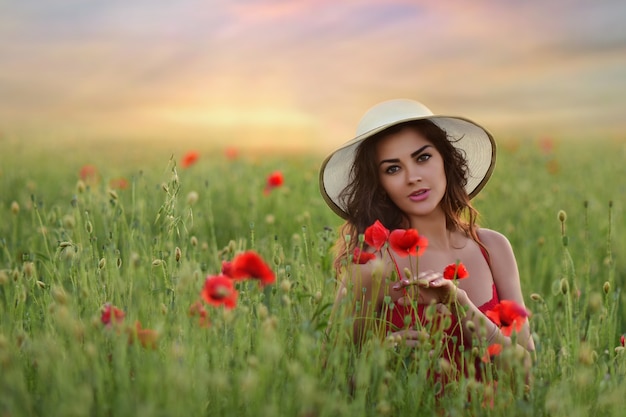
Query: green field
(68, 247)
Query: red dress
(452, 339)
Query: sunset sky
(284, 72)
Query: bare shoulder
(502, 263)
(493, 240)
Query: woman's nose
(413, 175)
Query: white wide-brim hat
(474, 141)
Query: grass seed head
(192, 197)
(29, 269)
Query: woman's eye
(423, 157)
(392, 169)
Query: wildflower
(219, 290)
(227, 268)
(275, 179)
(197, 309)
(546, 144)
(111, 315)
(622, 340)
(376, 235)
(189, 159)
(147, 337)
(407, 242)
(455, 271)
(15, 207)
(118, 183)
(231, 153)
(362, 257)
(509, 316)
(250, 265)
(492, 350)
(89, 174)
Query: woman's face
(411, 171)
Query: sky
(290, 72)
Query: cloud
(558, 64)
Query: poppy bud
(407, 273)
(471, 326)
(564, 286)
(102, 264)
(606, 287)
(562, 216)
(15, 208)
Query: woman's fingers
(425, 279)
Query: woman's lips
(419, 195)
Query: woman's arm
(506, 278)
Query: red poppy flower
(622, 340)
(492, 350)
(147, 337)
(118, 183)
(111, 315)
(89, 174)
(227, 268)
(275, 179)
(219, 290)
(407, 242)
(231, 153)
(509, 316)
(362, 257)
(455, 271)
(197, 309)
(376, 235)
(250, 265)
(189, 159)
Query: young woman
(410, 169)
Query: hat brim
(473, 140)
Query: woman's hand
(429, 286)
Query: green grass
(66, 250)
